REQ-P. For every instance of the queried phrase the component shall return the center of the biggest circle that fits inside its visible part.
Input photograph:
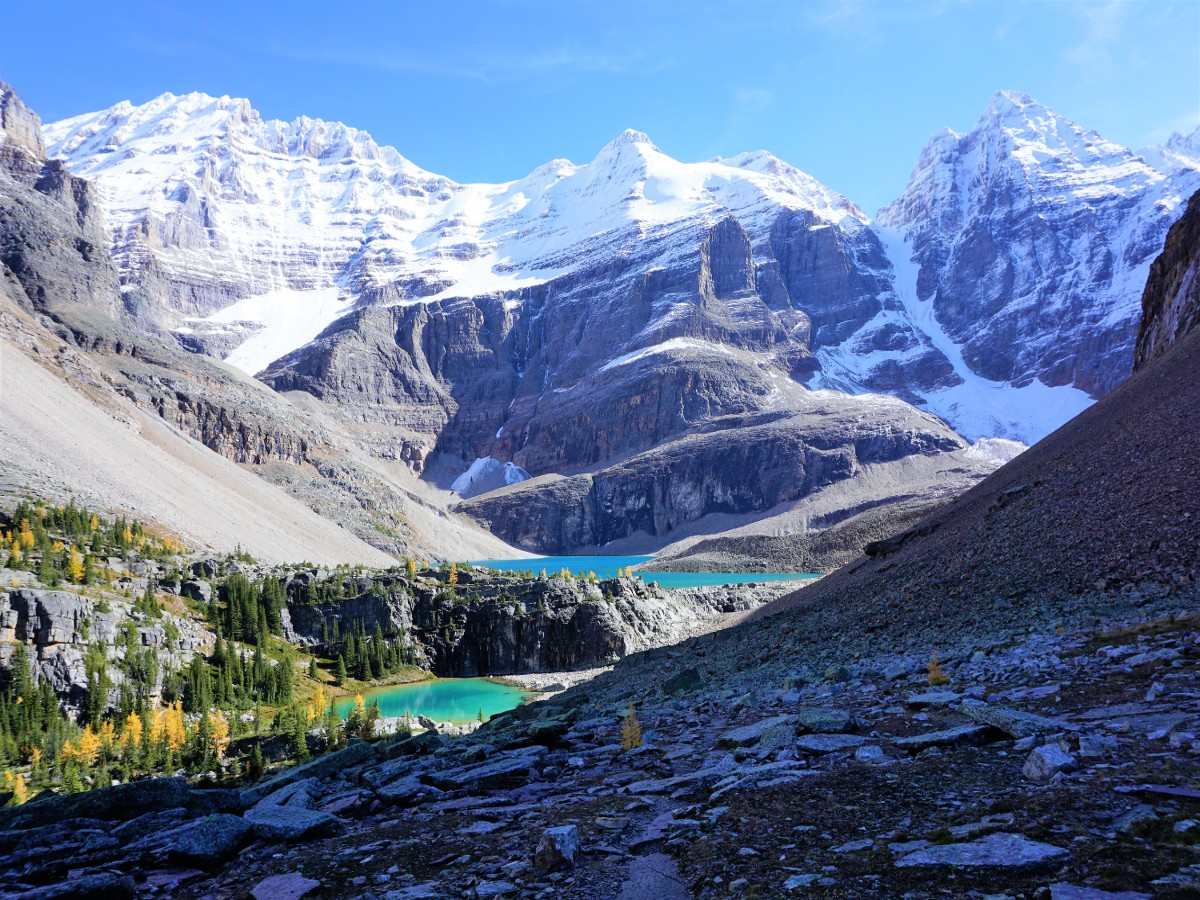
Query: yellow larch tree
(174, 729)
(218, 732)
(108, 734)
(87, 746)
(75, 566)
(131, 734)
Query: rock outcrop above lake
(736, 465)
(507, 624)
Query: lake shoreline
(605, 567)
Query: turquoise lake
(443, 699)
(607, 566)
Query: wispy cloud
(1184, 123)
(1101, 23)
(483, 67)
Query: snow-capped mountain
(233, 219)
(1031, 240)
(999, 291)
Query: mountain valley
(268, 387)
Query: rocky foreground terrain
(999, 702)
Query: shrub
(631, 730)
(936, 676)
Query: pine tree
(255, 766)
(339, 677)
(299, 738)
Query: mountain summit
(999, 290)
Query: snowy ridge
(1033, 237)
(206, 190)
(1013, 245)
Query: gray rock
(1047, 761)
(288, 814)
(1134, 817)
(99, 886)
(1012, 722)
(290, 886)
(194, 589)
(557, 848)
(289, 823)
(504, 769)
(960, 736)
(1000, 850)
(829, 743)
(495, 889)
(407, 791)
(796, 882)
(855, 846)
(821, 720)
(872, 755)
(772, 732)
(208, 841)
(687, 680)
(1092, 745)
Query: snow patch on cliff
(487, 474)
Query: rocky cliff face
(735, 465)
(503, 625)
(52, 239)
(58, 627)
(1171, 301)
(81, 323)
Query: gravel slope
(126, 460)
(1107, 502)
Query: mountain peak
(629, 137)
(1004, 103)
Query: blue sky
(847, 91)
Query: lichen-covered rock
(557, 848)
(1047, 761)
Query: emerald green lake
(607, 567)
(443, 699)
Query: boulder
(557, 849)
(829, 743)
(208, 841)
(770, 733)
(820, 720)
(960, 736)
(1064, 891)
(290, 886)
(1012, 722)
(1047, 761)
(100, 886)
(1001, 850)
